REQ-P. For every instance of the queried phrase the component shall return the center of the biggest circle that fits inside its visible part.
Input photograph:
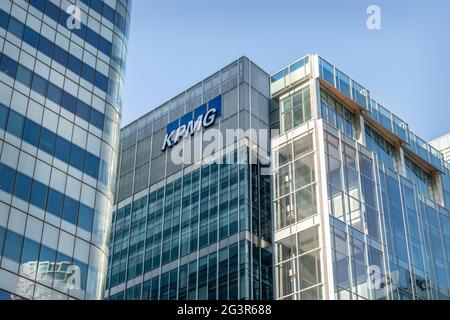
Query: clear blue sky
(176, 43)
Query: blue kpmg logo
(202, 117)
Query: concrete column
(438, 188)
(400, 160)
(360, 127)
(315, 99)
(325, 230)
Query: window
(83, 110)
(30, 252)
(105, 46)
(15, 124)
(304, 171)
(108, 12)
(31, 37)
(51, 10)
(39, 85)
(77, 157)
(24, 75)
(46, 255)
(92, 37)
(337, 114)
(16, 27)
(97, 119)
(47, 141)
(60, 55)
(286, 114)
(309, 269)
(360, 94)
(155, 288)
(101, 81)
(327, 71)
(87, 73)
(284, 154)
(39, 195)
(298, 64)
(369, 193)
(69, 102)
(303, 146)
(74, 64)
(203, 241)
(39, 4)
(380, 146)
(286, 248)
(375, 257)
(62, 149)
(295, 110)
(283, 181)
(285, 212)
(70, 211)
(7, 180)
(31, 132)
(341, 268)
(8, 66)
(91, 165)
(55, 200)
(332, 145)
(45, 46)
(3, 116)
(343, 83)
(420, 177)
(97, 5)
(22, 187)
(4, 18)
(358, 249)
(308, 240)
(54, 93)
(13, 246)
(306, 202)
(86, 217)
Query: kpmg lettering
(201, 118)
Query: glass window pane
(15, 124)
(31, 132)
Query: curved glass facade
(61, 78)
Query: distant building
(443, 145)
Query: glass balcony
(377, 112)
(401, 128)
(425, 151)
(344, 83)
(290, 75)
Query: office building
(358, 205)
(62, 72)
(361, 203)
(443, 145)
(192, 217)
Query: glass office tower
(61, 79)
(361, 204)
(199, 228)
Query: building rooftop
(360, 98)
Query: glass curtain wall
(297, 256)
(295, 109)
(186, 216)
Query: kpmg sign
(203, 116)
